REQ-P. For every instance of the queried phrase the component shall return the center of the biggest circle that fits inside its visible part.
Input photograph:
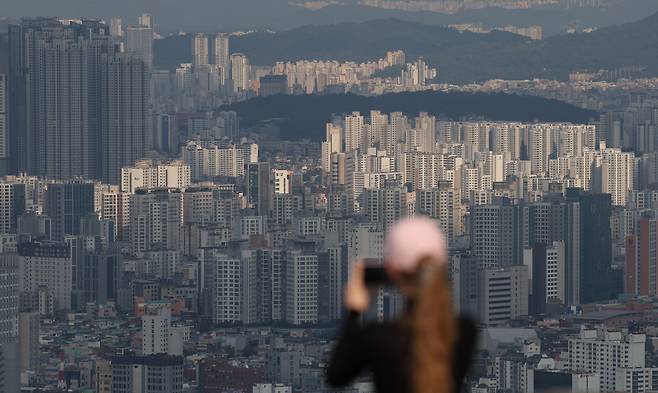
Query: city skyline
(190, 228)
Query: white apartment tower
(116, 28)
(200, 50)
(355, 135)
(282, 181)
(539, 148)
(240, 72)
(606, 352)
(611, 172)
(223, 280)
(146, 20)
(333, 144)
(148, 174)
(220, 52)
(301, 291)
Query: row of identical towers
(79, 106)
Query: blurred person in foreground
(427, 349)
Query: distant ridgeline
(305, 116)
(461, 57)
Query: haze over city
(272, 196)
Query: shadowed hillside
(304, 116)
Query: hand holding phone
(357, 296)
(376, 276)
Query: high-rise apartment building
(546, 264)
(158, 334)
(333, 144)
(539, 148)
(355, 133)
(612, 172)
(12, 204)
(425, 126)
(642, 257)
(46, 276)
(261, 285)
(66, 204)
(115, 206)
(53, 68)
(598, 281)
(240, 71)
(209, 161)
(166, 135)
(260, 187)
(557, 220)
(103, 376)
(126, 114)
(636, 380)
(495, 233)
(200, 50)
(222, 287)
(442, 204)
(97, 274)
(606, 352)
(4, 124)
(376, 129)
(149, 174)
(198, 205)
(220, 52)
(301, 291)
(146, 20)
(384, 206)
(139, 40)
(9, 349)
(116, 27)
(282, 181)
(155, 219)
(397, 129)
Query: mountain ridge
(461, 57)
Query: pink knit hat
(412, 239)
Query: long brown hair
(433, 329)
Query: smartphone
(375, 274)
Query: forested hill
(304, 116)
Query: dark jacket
(385, 349)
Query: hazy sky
(231, 15)
(166, 12)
